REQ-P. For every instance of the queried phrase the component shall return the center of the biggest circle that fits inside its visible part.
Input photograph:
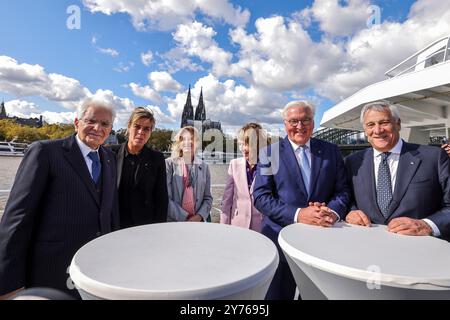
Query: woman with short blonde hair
(237, 202)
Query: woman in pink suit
(237, 202)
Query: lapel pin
(412, 163)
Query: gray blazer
(202, 190)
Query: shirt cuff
(296, 215)
(433, 226)
(337, 215)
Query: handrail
(423, 60)
(387, 73)
(446, 49)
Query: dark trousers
(283, 284)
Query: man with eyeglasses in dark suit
(299, 180)
(63, 196)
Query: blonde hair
(177, 151)
(141, 113)
(255, 136)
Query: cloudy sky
(250, 56)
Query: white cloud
(145, 92)
(166, 15)
(282, 56)
(21, 108)
(147, 57)
(163, 81)
(175, 60)
(231, 103)
(340, 20)
(24, 80)
(124, 66)
(196, 40)
(58, 117)
(108, 51)
(26, 109)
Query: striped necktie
(304, 166)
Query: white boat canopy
(419, 86)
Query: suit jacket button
(98, 234)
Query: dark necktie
(96, 166)
(384, 186)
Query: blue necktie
(96, 166)
(384, 186)
(304, 166)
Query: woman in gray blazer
(188, 180)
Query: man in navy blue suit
(299, 179)
(403, 185)
(63, 196)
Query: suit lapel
(198, 183)
(242, 174)
(108, 190)
(316, 163)
(178, 177)
(120, 159)
(366, 180)
(407, 168)
(73, 155)
(292, 166)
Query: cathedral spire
(2, 110)
(200, 112)
(188, 110)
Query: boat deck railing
(415, 61)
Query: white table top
(357, 252)
(177, 260)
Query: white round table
(176, 260)
(355, 262)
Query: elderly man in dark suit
(403, 185)
(141, 174)
(300, 179)
(63, 197)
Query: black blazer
(149, 194)
(53, 210)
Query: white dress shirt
(85, 150)
(393, 160)
(308, 155)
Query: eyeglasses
(295, 122)
(93, 122)
(145, 129)
(382, 124)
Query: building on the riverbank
(32, 122)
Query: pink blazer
(237, 202)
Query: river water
(9, 165)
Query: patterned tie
(96, 166)
(304, 166)
(384, 187)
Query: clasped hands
(318, 214)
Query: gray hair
(91, 102)
(380, 106)
(298, 104)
